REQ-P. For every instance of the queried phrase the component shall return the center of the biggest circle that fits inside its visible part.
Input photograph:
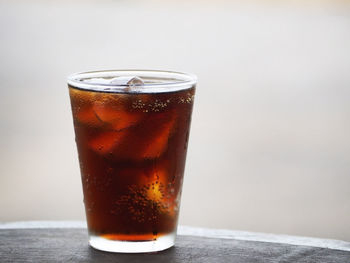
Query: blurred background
(270, 142)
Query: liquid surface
(132, 150)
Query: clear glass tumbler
(132, 129)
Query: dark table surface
(65, 242)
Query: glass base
(161, 243)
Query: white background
(270, 142)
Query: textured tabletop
(67, 242)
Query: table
(66, 241)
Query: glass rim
(168, 81)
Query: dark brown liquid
(132, 150)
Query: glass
(132, 129)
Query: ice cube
(118, 118)
(129, 81)
(148, 138)
(87, 116)
(106, 141)
(126, 120)
(97, 81)
(155, 192)
(159, 140)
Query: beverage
(132, 144)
